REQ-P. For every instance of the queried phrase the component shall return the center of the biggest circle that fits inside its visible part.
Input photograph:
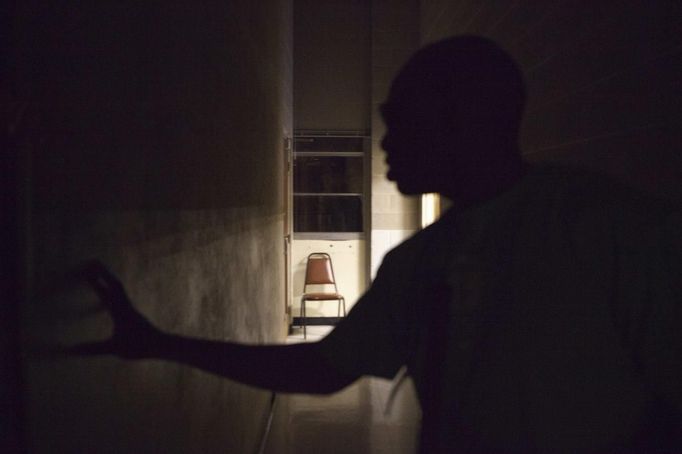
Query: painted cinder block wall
(603, 80)
(154, 141)
(395, 36)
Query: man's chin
(405, 185)
(406, 188)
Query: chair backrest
(319, 269)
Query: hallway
(153, 137)
(350, 421)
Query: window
(329, 186)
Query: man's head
(454, 108)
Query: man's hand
(133, 335)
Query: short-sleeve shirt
(547, 319)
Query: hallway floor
(350, 421)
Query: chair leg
(344, 306)
(303, 317)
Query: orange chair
(319, 271)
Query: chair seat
(322, 296)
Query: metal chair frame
(320, 273)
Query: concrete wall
(395, 36)
(603, 79)
(153, 142)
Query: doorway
(330, 214)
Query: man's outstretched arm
(300, 368)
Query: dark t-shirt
(546, 320)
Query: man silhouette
(540, 314)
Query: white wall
(348, 259)
(383, 240)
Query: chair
(319, 271)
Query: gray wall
(603, 79)
(153, 142)
(332, 64)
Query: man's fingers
(107, 287)
(99, 276)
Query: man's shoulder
(418, 239)
(413, 249)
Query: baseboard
(317, 321)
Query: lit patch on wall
(430, 208)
